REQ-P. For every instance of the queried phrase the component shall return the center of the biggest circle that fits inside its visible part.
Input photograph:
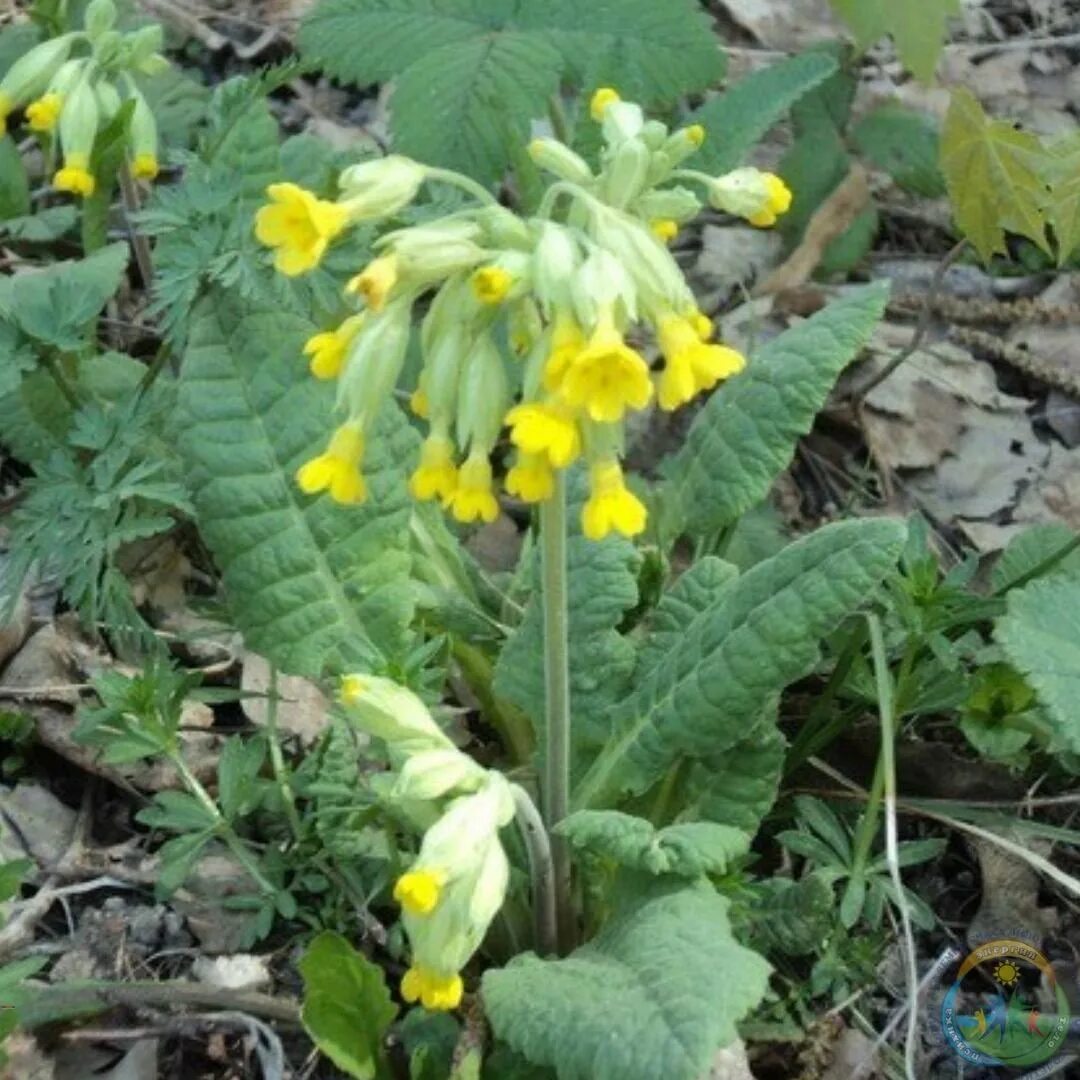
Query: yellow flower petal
(603, 97)
(145, 167)
(435, 991)
(473, 498)
(607, 377)
(41, 115)
(545, 428)
(490, 284)
(75, 176)
(436, 476)
(531, 478)
(376, 281)
(610, 506)
(299, 225)
(664, 229)
(418, 891)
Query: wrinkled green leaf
(313, 585)
(747, 431)
(905, 144)
(1031, 550)
(687, 849)
(655, 994)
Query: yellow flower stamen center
(299, 226)
(375, 282)
(491, 284)
(607, 377)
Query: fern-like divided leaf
(473, 73)
(656, 993)
(712, 687)
(1041, 636)
(736, 119)
(746, 433)
(312, 585)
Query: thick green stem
(556, 789)
(464, 183)
(531, 826)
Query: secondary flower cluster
(458, 882)
(528, 326)
(78, 96)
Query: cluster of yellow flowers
(79, 96)
(562, 288)
(458, 882)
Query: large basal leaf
(602, 588)
(655, 994)
(473, 73)
(1035, 552)
(906, 144)
(712, 687)
(347, 1008)
(1040, 633)
(312, 585)
(736, 119)
(997, 176)
(686, 849)
(747, 431)
(739, 787)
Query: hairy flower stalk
(568, 289)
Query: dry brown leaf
(833, 217)
(789, 25)
(302, 709)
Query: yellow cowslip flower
(337, 470)
(547, 428)
(389, 711)
(42, 115)
(434, 990)
(611, 507)
(418, 891)
(695, 134)
(607, 377)
(491, 284)
(691, 365)
(145, 166)
(419, 404)
(567, 340)
(376, 281)
(702, 324)
(530, 478)
(473, 498)
(779, 202)
(299, 226)
(664, 229)
(75, 177)
(436, 477)
(327, 351)
(600, 101)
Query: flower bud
(144, 43)
(483, 395)
(376, 189)
(626, 172)
(622, 120)
(603, 283)
(683, 143)
(391, 712)
(555, 157)
(78, 129)
(555, 265)
(30, 75)
(677, 204)
(654, 134)
(749, 193)
(100, 17)
(655, 273)
(108, 100)
(144, 140)
(375, 359)
(432, 252)
(431, 774)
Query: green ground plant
(581, 858)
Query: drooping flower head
(537, 330)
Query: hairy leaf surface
(656, 993)
(713, 686)
(313, 585)
(747, 431)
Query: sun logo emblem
(1007, 973)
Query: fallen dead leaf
(26, 1060)
(302, 708)
(833, 217)
(732, 257)
(789, 25)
